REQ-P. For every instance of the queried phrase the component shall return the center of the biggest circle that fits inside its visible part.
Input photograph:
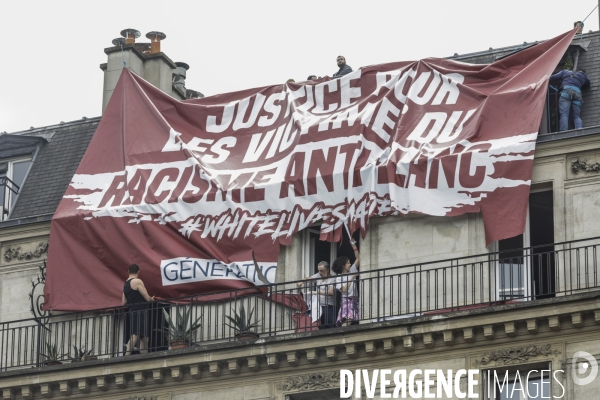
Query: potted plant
(243, 325)
(179, 330)
(83, 355)
(52, 355)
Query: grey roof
(54, 166)
(491, 55)
(590, 61)
(18, 145)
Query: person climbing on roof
(570, 100)
(345, 69)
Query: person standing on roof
(570, 100)
(345, 69)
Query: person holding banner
(136, 295)
(345, 69)
(346, 283)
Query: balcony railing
(8, 189)
(558, 269)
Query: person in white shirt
(326, 292)
(346, 283)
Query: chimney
(158, 68)
(147, 61)
(118, 42)
(130, 35)
(120, 53)
(179, 75)
(155, 38)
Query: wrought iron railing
(8, 189)
(559, 269)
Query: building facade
(432, 295)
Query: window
(518, 384)
(12, 176)
(513, 276)
(530, 273)
(316, 250)
(326, 394)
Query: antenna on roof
(119, 42)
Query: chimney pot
(155, 38)
(179, 75)
(182, 65)
(130, 35)
(118, 41)
(181, 69)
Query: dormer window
(12, 176)
(16, 155)
(569, 61)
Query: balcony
(396, 295)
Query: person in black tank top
(136, 295)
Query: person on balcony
(570, 100)
(345, 69)
(326, 292)
(136, 295)
(346, 283)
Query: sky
(51, 50)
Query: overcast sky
(51, 50)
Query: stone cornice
(508, 326)
(19, 224)
(568, 145)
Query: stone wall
(22, 250)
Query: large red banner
(188, 189)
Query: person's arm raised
(356, 253)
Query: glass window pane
(19, 171)
(522, 388)
(511, 279)
(539, 389)
(508, 394)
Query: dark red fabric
(188, 190)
